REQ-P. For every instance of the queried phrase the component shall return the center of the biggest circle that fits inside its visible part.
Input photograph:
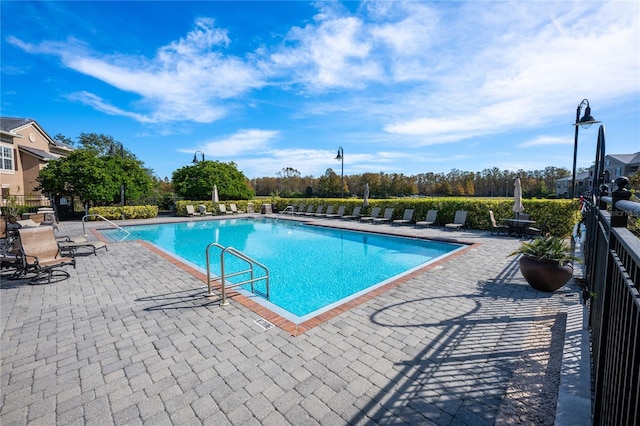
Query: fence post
(619, 217)
(604, 191)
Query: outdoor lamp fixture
(584, 122)
(113, 151)
(340, 157)
(195, 157)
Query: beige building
(615, 165)
(25, 149)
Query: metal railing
(612, 290)
(84, 229)
(224, 275)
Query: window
(6, 158)
(618, 171)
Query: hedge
(558, 216)
(130, 212)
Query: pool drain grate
(264, 323)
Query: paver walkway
(129, 339)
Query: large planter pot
(545, 275)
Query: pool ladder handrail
(223, 275)
(84, 230)
(288, 209)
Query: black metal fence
(612, 261)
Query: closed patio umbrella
(365, 203)
(517, 195)
(214, 195)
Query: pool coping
(295, 329)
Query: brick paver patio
(130, 339)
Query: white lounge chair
(191, 211)
(223, 209)
(234, 208)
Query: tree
(95, 178)
(196, 182)
(80, 174)
(62, 138)
(289, 179)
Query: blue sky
(402, 86)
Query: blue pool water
(311, 268)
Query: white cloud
(547, 140)
(243, 142)
(188, 79)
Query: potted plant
(546, 263)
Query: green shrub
(558, 216)
(130, 212)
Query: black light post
(113, 152)
(340, 157)
(195, 157)
(585, 122)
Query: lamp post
(585, 122)
(340, 157)
(114, 152)
(195, 157)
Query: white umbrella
(517, 195)
(365, 203)
(214, 195)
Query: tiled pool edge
(287, 325)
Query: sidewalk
(129, 339)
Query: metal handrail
(632, 208)
(84, 230)
(288, 209)
(223, 276)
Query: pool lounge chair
(407, 217)
(223, 209)
(234, 208)
(432, 215)
(72, 244)
(337, 215)
(304, 209)
(326, 213)
(495, 228)
(302, 212)
(386, 217)
(40, 252)
(191, 211)
(375, 212)
(318, 211)
(355, 214)
(459, 221)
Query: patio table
(517, 227)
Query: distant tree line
(99, 166)
(487, 183)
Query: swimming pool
(312, 268)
